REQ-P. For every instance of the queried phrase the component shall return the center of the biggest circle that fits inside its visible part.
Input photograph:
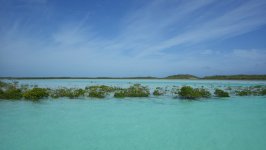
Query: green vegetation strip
(14, 91)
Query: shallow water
(156, 123)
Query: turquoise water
(156, 123)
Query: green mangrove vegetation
(10, 91)
(187, 92)
(158, 91)
(263, 92)
(136, 90)
(99, 91)
(244, 92)
(221, 93)
(15, 91)
(36, 94)
(251, 91)
(67, 92)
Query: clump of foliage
(10, 91)
(251, 90)
(203, 92)
(121, 93)
(263, 92)
(187, 92)
(3, 84)
(99, 91)
(36, 94)
(158, 91)
(75, 93)
(66, 92)
(259, 90)
(221, 93)
(245, 92)
(97, 94)
(1, 94)
(136, 90)
(61, 92)
(78, 92)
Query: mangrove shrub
(158, 91)
(245, 92)
(221, 93)
(136, 90)
(187, 92)
(67, 92)
(36, 94)
(99, 91)
(11, 93)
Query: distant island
(171, 77)
(236, 77)
(182, 76)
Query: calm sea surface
(154, 123)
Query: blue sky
(132, 37)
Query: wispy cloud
(160, 37)
(242, 19)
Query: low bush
(187, 92)
(221, 93)
(36, 94)
(61, 92)
(99, 91)
(245, 92)
(135, 90)
(65, 92)
(11, 93)
(262, 92)
(158, 91)
(78, 92)
(120, 93)
(97, 94)
(3, 84)
(1, 94)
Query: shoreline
(37, 78)
(171, 77)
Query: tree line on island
(14, 91)
(178, 76)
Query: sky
(118, 38)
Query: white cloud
(143, 33)
(141, 45)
